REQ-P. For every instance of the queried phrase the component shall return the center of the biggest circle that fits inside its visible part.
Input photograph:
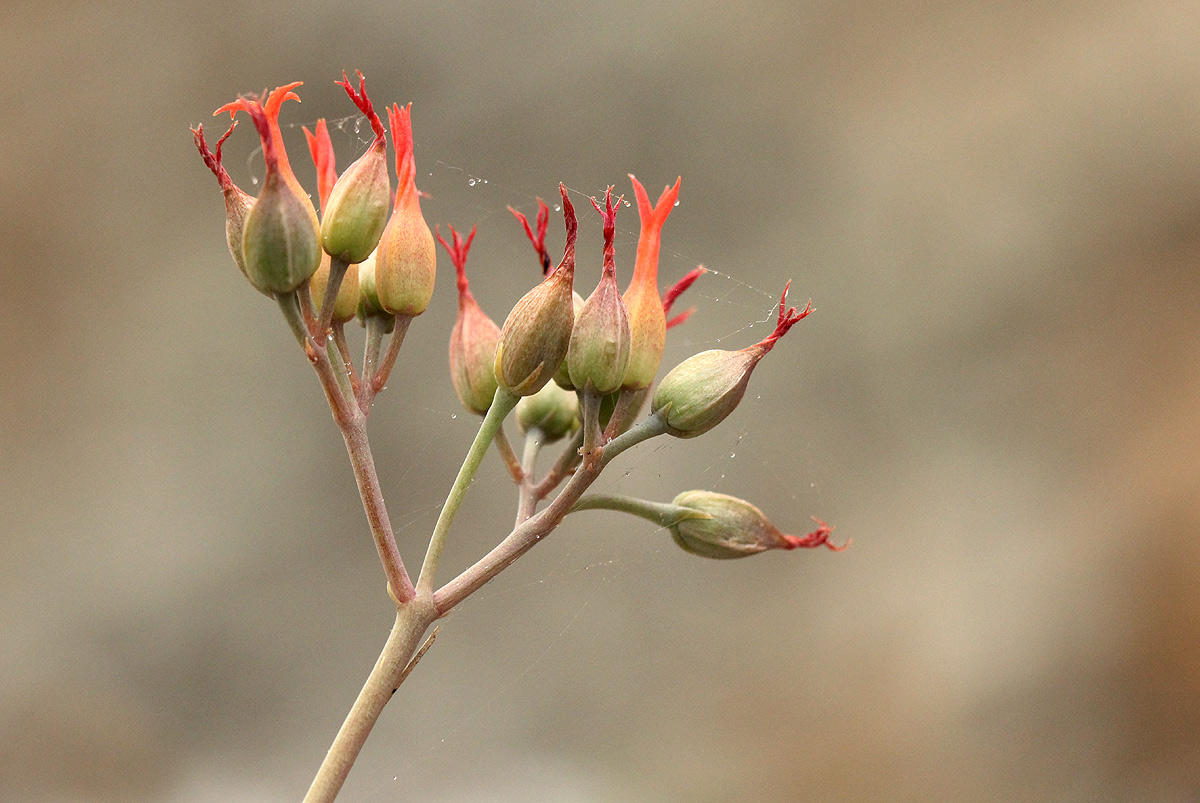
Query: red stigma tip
(458, 254)
(677, 289)
(788, 317)
(818, 537)
(363, 102)
(571, 222)
(539, 239)
(211, 159)
(321, 148)
(609, 215)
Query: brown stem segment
(412, 620)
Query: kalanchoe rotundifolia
(702, 390)
(734, 528)
(237, 203)
(647, 321)
(346, 302)
(356, 212)
(552, 410)
(535, 336)
(369, 308)
(599, 351)
(280, 240)
(473, 339)
(406, 258)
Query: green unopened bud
(703, 390)
(345, 305)
(734, 528)
(599, 352)
(473, 339)
(368, 299)
(552, 410)
(357, 210)
(536, 334)
(406, 259)
(280, 239)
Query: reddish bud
(703, 390)
(357, 209)
(237, 203)
(321, 148)
(406, 259)
(734, 528)
(280, 239)
(473, 339)
(536, 334)
(599, 352)
(647, 321)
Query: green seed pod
(345, 304)
(237, 202)
(599, 351)
(357, 210)
(552, 410)
(368, 299)
(703, 390)
(536, 334)
(735, 528)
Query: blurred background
(996, 209)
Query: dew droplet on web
(677, 203)
(627, 203)
(329, 338)
(357, 125)
(471, 183)
(454, 415)
(732, 455)
(485, 181)
(557, 207)
(253, 180)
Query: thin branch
(504, 447)
(566, 463)
(526, 501)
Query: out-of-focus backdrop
(996, 209)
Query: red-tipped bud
(237, 203)
(368, 298)
(280, 238)
(406, 259)
(539, 239)
(357, 209)
(648, 323)
(678, 289)
(599, 352)
(734, 528)
(703, 390)
(552, 410)
(536, 334)
(473, 339)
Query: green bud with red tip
(552, 410)
(537, 333)
(406, 258)
(345, 304)
(734, 528)
(647, 320)
(237, 202)
(280, 239)
(703, 390)
(473, 339)
(599, 352)
(356, 212)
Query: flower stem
(663, 514)
(537, 527)
(337, 271)
(526, 500)
(412, 620)
(562, 468)
(504, 447)
(502, 405)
